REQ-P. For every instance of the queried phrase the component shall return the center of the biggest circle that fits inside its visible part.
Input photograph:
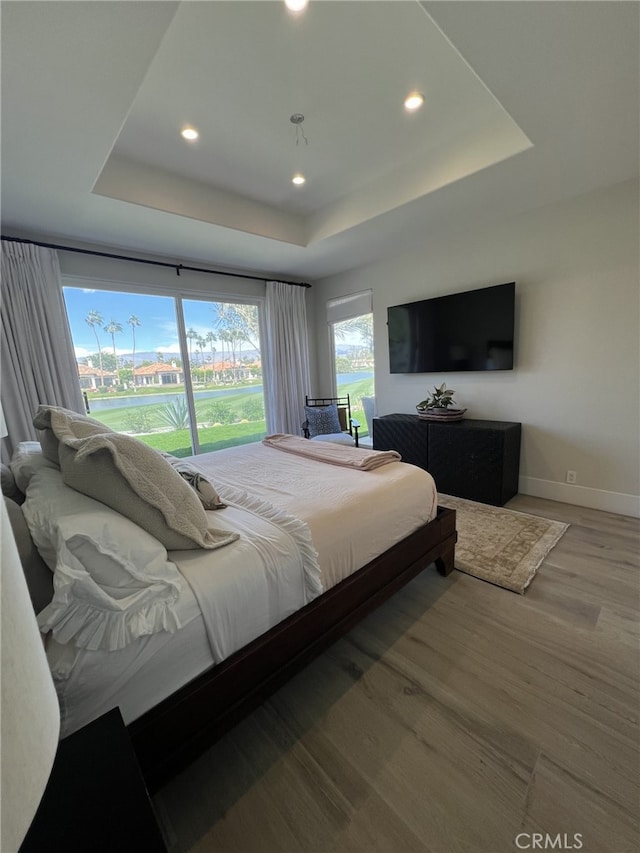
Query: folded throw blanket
(335, 454)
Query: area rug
(500, 545)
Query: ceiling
(526, 104)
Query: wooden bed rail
(181, 727)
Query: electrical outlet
(571, 477)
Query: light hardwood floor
(455, 717)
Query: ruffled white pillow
(113, 582)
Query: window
(183, 375)
(351, 330)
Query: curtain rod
(176, 267)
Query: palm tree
(133, 321)
(112, 328)
(93, 319)
(234, 337)
(225, 335)
(201, 344)
(221, 338)
(210, 338)
(191, 336)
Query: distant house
(92, 378)
(231, 371)
(158, 374)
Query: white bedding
(268, 574)
(352, 517)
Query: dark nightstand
(96, 798)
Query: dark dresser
(407, 434)
(473, 459)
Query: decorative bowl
(441, 414)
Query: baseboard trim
(581, 496)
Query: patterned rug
(499, 545)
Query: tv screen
(461, 331)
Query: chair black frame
(351, 425)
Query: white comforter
(255, 582)
(353, 516)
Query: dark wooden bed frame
(182, 726)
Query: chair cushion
(336, 438)
(322, 420)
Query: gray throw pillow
(322, 420)
(209, 498)
(133, 479)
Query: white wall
(575, 387)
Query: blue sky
(157, 332)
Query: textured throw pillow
(322, 420)
(42, 420)
(204, 489)
(136, 481)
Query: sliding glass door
(225, 372)
(350, 320)
(183, 375)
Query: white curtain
(286, 357)
(38, 361)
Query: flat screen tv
(461, 331)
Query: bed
(334, 539)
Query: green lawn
(178, 441)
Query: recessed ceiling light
(296, 5)
(298, 179)
(413, 101)
(189, 133)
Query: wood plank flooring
(452, 719)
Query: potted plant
(438, 403)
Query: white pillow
(113, 582)
(26, 460)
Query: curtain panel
(38, 361)
(286, 357)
